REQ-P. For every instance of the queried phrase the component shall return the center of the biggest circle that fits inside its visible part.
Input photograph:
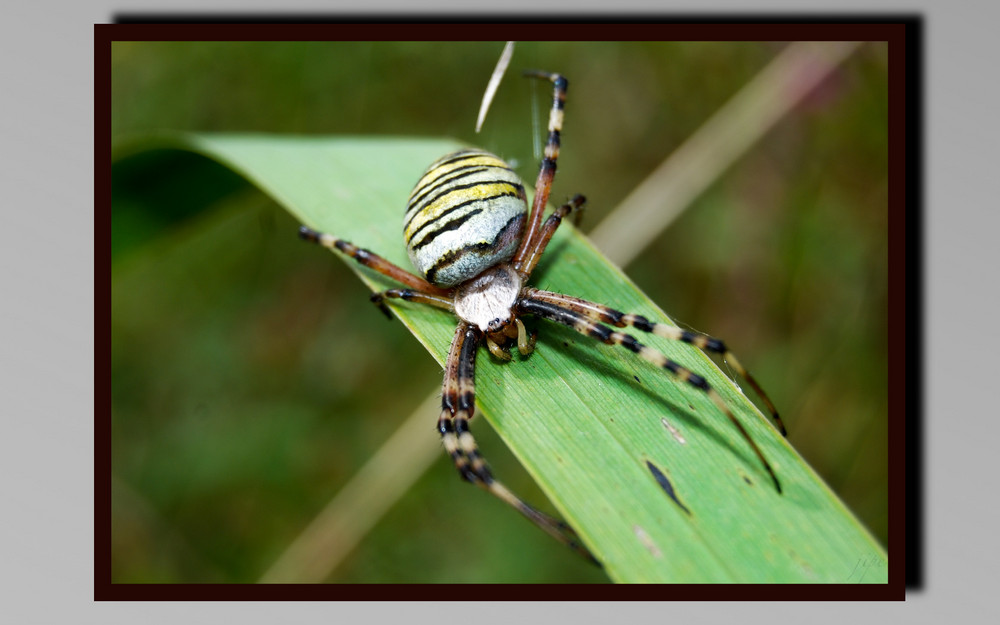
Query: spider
(469, 233)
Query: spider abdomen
(465, 215)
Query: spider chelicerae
(469, 233)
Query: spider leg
(548, 229)
(410, 296)
(582, 324)
(543, 184)
(372, 261)
(604, 314)
(458, 401)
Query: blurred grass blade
(742, 121)
(361, 503)
(494, 83)
(589, 422)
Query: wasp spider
(470, 234)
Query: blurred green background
(251, 378)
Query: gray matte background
(47, 332)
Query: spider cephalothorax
(469, 233)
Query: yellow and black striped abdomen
(465, 215)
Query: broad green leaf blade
(588, 420)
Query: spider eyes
(496, 324)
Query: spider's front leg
(408, 295)
(561, 312)
(604, 314)
(458, 401)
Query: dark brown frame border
(904, 34)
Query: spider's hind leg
(604, 314)
(458, 400)
(547, 171)
(534, 254)
(371, 260)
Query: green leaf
(585, 419)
